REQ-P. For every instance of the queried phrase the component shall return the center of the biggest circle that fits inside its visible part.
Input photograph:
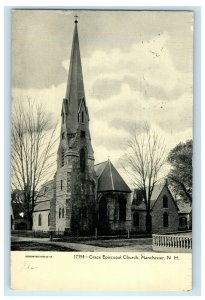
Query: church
(82, 197)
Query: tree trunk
(30, 221)
(148, 222)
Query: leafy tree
(180, 176)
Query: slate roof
(109, 179)
(43, 205)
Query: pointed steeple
(75, 87)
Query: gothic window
(62, 212)
(62, 157)
(82, 134)
(82, 116)
(78, 118)
(39, 220)
(103, 215)
(59, 213)
(122, 209)
(82, 160)
(61, 185)
(63, 135)
(49, 219)
(165, 201)
(63, 117)
(136, 219)
(165, 220)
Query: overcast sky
(137, 67)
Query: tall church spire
(75, 87)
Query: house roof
(156, 191)
(109, 179)
(140, 206)
(184, 207)
(43, 205)
(155, 195)
(186, 210)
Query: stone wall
(110, 222)
(75, 189)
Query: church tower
(73, 205)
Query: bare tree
(142, 162)
(32, 153)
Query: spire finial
(108, 157)
(76, 19)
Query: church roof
(109, 179)
(43, 205)
(155, 195)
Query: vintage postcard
(101, 150)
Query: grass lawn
(117, 243)
(34, 246)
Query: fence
(171, 243)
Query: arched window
(62, 212)
(82, 160)
(165, 201)
(122, 209)
(39, 220)
(63, 117)
(49, 219)
(82, 116)
(59, 213)
(136, 219)
(165, 220)
(62, 157)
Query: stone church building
(82, 196)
